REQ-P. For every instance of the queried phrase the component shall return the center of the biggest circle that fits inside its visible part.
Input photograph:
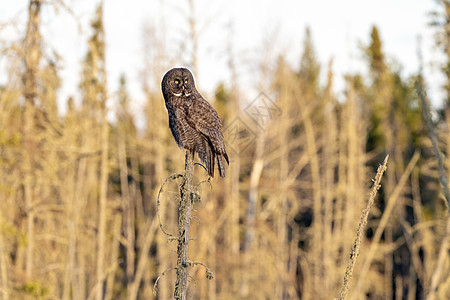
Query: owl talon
(201, 165)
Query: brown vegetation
(78, 193)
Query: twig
(158, 202)
(155, 286)
(204, 181)
(197, 219)
(209, 273)
(360, 231)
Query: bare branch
(155, 286)
(158, 202)
(209, 273)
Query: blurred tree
(311, 117)
(32, 56)
(395, 127)
(378, 96)
(309, 67)
(127, 156)
(93, 77)
(223, 102)
(395, 116)
(440, 20)
(94, 109)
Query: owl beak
(182, 87)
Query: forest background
(78, 184)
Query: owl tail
(220, 165)
(210, 158)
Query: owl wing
(204, 118)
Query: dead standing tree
(32, 57)
(187, 194)
(184, 221)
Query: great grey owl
(194, 123)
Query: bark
(184, 222)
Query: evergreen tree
(96, 139)
(309, 66)
(395, 116)
(124, 115)
(223, 102)
(378, 95)
(93, 82)
(441, 22)
(395, 128)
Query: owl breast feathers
(193, 122)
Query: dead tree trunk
(32, 56)
(184, 221)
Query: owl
(193, 122)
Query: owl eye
(177, 81)
(185, 81)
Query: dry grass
(354, 253)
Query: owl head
(178, 82)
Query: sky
(253, 28)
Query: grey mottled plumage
(194, 123)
